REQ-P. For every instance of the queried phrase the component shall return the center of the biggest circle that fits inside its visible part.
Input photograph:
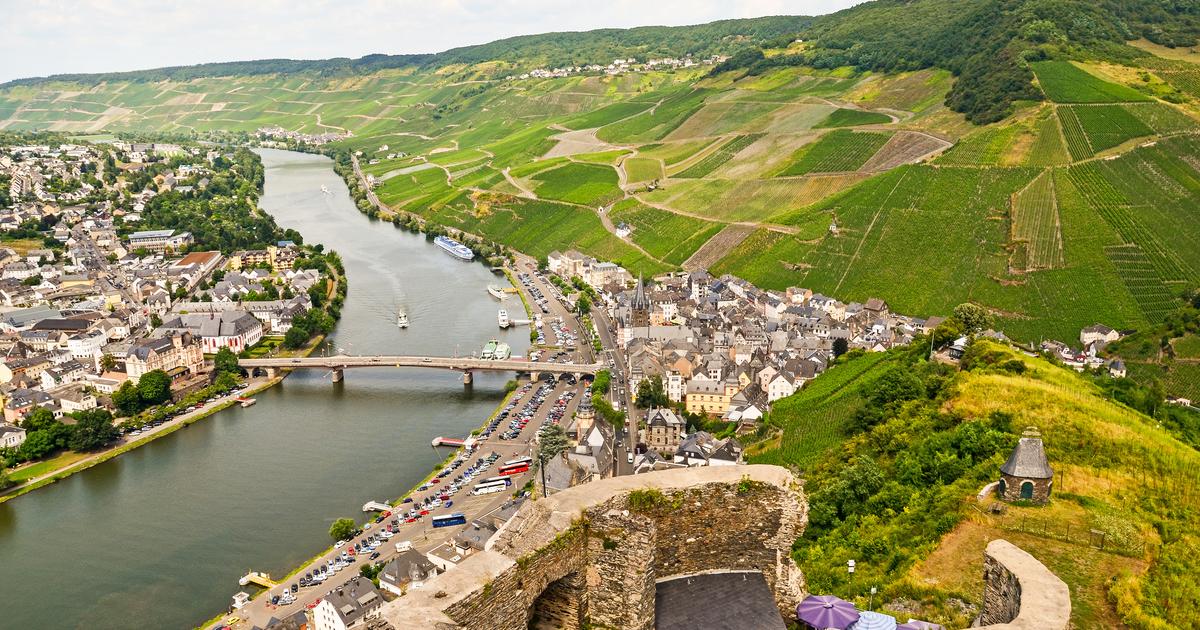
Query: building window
(1026, 489)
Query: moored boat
(401, 318)
(495, 292)
(502, 318)
(454, 248)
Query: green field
(586, 184)
(639, 169)
(669, 237)
(1063, 82)
(843, 117)
(837, 151)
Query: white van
(403, 545)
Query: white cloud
(40, 37)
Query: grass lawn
(43, 467)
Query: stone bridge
(340, 362)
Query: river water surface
(157, 537)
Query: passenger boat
(496, 292)
(502, 352)
(502, 319)
(246, 402)
(454, 248)
(401, 318)
(489, 350)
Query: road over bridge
(340, 362)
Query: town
(105, 313)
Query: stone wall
(591, 555)
(1020, 593)
(1012, 488)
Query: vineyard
(1139, 275)
(814, 419)
(838, 151)
(1072, 128)
(1063, 82)
(1047, 148)
(1035, 222)
(722, 155)
(982, 148)
(1112, 205)
(1107, 126)
(670, 237)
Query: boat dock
(258, 578)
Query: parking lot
(449, 491)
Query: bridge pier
(468, 377)
(338, 375)
(533, 377)
(272, 372)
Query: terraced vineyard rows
(1112, 205)
(1138, 273)
(722, 155)
(838, 151)
(1077, 141)
(670, 237)
(1035, 222)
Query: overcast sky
(42, 37)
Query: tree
(225, 381)
(154, 387)
(39, 419)
(155, 320)
(108, 363)
(551, 442)
(6, 482)
(342, 529)
(651, 394)
(93, 430)
(840, 346)
(126, 399)
(583, 305)
(226, 361)
(973, 317)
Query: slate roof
(1028, 460)
(716, 601)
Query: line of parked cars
(443, 497)
(538, 297)
(522, 417)
(508, 409)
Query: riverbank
(299, 568)
(167, 428)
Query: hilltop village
(106, 312)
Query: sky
(43, 37)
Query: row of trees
(153, 388)
(46, 435)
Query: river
(157, 537)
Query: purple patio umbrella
(870, 620)
(917, 624)
(826, 611)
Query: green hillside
(895, 449)
(1073, 204)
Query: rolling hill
(894, 451)
(1074, 203)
